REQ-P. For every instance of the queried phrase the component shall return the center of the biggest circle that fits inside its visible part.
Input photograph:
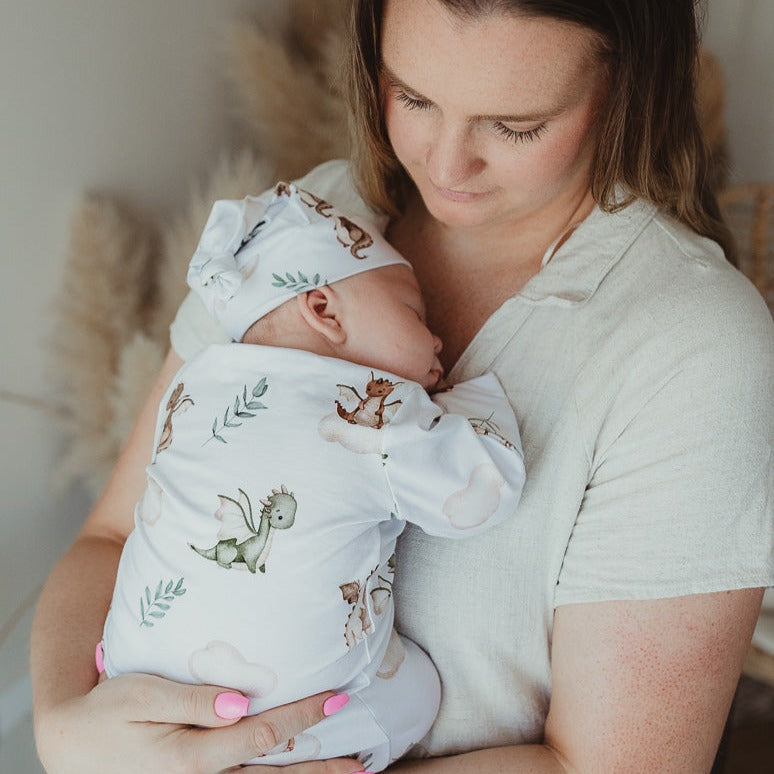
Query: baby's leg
(404, 702)
(380, 722)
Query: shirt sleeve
(680, 498)
(455, 464)
(194, 328)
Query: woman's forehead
(495, 64)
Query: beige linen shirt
(640, 366)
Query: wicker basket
(749, 210)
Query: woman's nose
(451, 157)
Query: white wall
(124, 96)
(107, 94)
(740, 33)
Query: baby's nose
(437, 344)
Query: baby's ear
(321, 309)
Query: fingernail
(99, 658)
(230, 706)
(335, 703)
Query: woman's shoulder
(691, 281)
(665, 301)
(650, 274)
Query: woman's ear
(321, 309)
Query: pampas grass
(285, 84)
(106, 297)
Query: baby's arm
(455, 463)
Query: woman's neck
(466, 274)
(515, 246)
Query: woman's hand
(143, 723)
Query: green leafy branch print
(158, 605)
(243, 408)
(485, 426)
(298, 284)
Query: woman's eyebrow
(510, 118)
(397, 82)
(523, 118)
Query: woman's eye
(519, 136)
(412, 103)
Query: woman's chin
(458, 213)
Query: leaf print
(298, 284)
(485, 426)
(243, 408)
(157, 607)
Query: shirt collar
(578, 267)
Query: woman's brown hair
(650, 140)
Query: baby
(286, 466)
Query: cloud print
(356, 438)
(478, 501)
(393, 657)
(149, 508)
(222, 664)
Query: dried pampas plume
(105, 299)
(286, 86)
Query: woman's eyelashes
(412, 103)
(516, 135)
(513, 135)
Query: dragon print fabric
(263, 553)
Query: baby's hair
(266, 329)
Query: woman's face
(493, 117)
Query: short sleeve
(193, 328)
(455, 467)
(681, 492)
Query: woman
(544, 173)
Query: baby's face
(384, 320)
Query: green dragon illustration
(239, 541)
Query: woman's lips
(457, 196)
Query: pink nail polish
(230, 706)
(335, 703)
(99, 658)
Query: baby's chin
(435, 382)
